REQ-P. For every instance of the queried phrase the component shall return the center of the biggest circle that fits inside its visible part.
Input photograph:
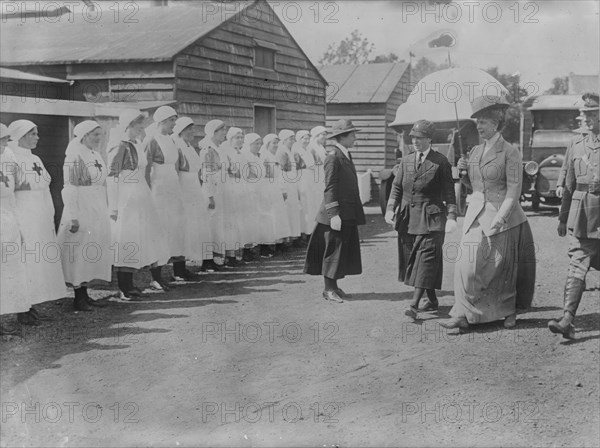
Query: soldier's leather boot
(80, 302)
(574, 288)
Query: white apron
(197, 232)
(137, 236)
(13, 280)
(86, 254)
(213, 187)
(35, 213)
(166, 191)
(274, 192)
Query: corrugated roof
(364, 83)
(9, 73)
(556, 102)
(159, 34)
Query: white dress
(196, 227)
(164, 158)
(13, 280)
(229, 183)
(261, 204)
(311, 193)
(213, 187)
(247, 198)
(274, 191)
(290, 178)
(86, 254)
(35, 213)
(137, 236)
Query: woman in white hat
(236, 223)
(164, 160)
(500, 275)
(215, 133)
(256, 182)
(275, 190)
(35, 212)
(196, 212)
(138, 238)
(290, 181)
(309, 187)
(13, 294)
(84, 231)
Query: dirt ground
(253, 356)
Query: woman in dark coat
(423, 205)
(334, 246)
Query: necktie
(420, 160)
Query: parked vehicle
(553, 129)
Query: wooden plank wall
(215, 78)
(398, 97)
(371, 139)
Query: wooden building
(236, 62)
(369, 95)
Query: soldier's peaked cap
(590, 102)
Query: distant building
(369, 95)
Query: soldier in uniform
(580, 215)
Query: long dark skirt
(420, 260)
(333, 254)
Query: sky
(540, 40)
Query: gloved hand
(559, 191)
(450, 226)
(336, 223)
(462, 164)
(389, 217)
(497, 223)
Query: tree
(352, 50)
(391, 57)
(560, 86)
(424, 67)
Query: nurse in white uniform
(198, 237)
(35, 213)
(84, 231)
(137, 236)
(162, 173)
(13, 293)
(290, 181)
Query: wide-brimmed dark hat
(485, 103)
(591, 101)
(423, 128)
(341, 127)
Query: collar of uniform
(20, 150)
(425, 153)
(343, 149)
(491, 142)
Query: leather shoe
(342, 294)
(9, 329)
(332, 296)
(411, 312)
(559, 327)
(455, 322)
(428, 305)
(27, 319)
(39, 316)
(510, 321)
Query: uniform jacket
(341, 196)
(422, 197)
(496, 179)
(581, 209)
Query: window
(264, 120)
(264, 54)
